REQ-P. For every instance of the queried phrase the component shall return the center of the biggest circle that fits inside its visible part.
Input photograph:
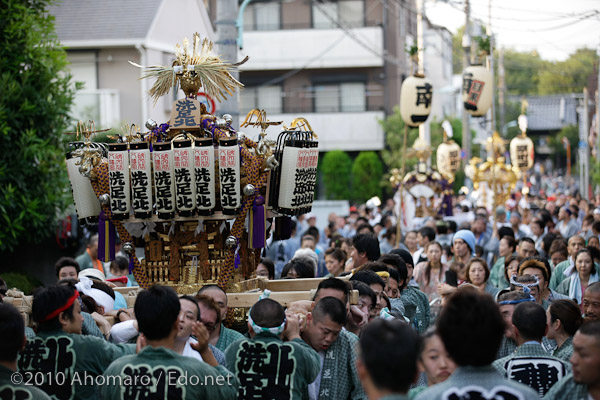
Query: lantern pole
(401, 186)
(424, 132)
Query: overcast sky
(555, 28)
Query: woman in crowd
(434, 362)
(298, 268)
(511, 265)
(429, 274)
(586, 273)
(478, 275)
(266, 268)
(410, 240)
(506, 248)
(564, 318)
(335, 260)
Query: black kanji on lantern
(424, 95)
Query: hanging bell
(104, 199)
(249, 190)
(151, 124)
(128, 248)
(231, 242)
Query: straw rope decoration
(101, 186)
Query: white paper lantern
(477, 91)
(229, 173)
(448, 158)
(86, 202)
(164, 180)
(141, 179)
(118, 179)
(521, 153)
(204, 169)
(416, 95)
(298, 177)
(185, 181)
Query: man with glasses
(220, 336)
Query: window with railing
(344, 13)
(262, 16)
(340, 97)
(268, 98)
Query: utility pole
(501, 87)
(584, 154)
(466, 121)
(227, 13)
(490, 66)
(424, 128)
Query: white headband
(101, 298)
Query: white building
(339, 64)
(102, 36)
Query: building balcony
(346, 131)
(313, 48)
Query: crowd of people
(501, 306)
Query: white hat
(92, 273)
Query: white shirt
(313, 388)
(188, 351)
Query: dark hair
(567, 311)
(366, 226)
(397, 262)
(510, 241)
(368, 244)
(336, 284)
(375, 266)
(47, 300)
(480, 261)
(389, 351)
(405, 255)
(120, 264)
(530, 319)
(336, 240)
(66, 262)
(195, 302)
(12, 327)
(3, 287)
(547, 242)
(507, 262)
(302, 269)
(427, 232)
(368, 277)
(506, 231)
(589, 252)
(268, 263)
(559, 246)
(541, 224)
(596, 226)
(267, 313)
(103, 287)
(337, 253)
(314, 232)
(427, 272)
(331, 307)
(394, 274)
(308, 236)
(156, 310)
(527, 239)
(471, 327)
(364, 290)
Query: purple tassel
(258, 222)
(237, 261)
(106, 238)
(131, 266)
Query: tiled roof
(103, 19)
(548, 113)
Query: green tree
(335, 170)
(367, 171)
(571, 133)
(36, 98)
(522, 72)
(569, 76)
(457, 51)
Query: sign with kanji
(164, 180)
(185, 181)
(229, 171)
(204, 172)
(141, 179)
(185, 114)
(118, 178)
